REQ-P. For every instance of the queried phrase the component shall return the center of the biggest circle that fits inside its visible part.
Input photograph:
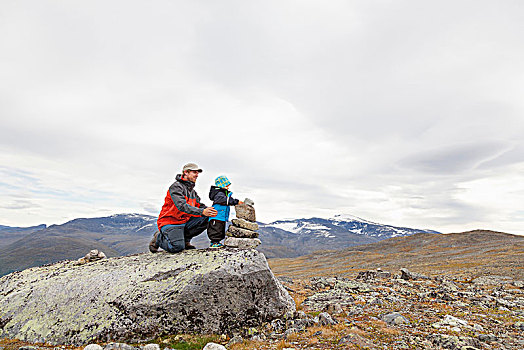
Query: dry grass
(283, 344)
(470, 253)
(15, 344)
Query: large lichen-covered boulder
(142, 296)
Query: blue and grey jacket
(222, 200)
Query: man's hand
(210, 211)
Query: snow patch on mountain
(340, 226)
(286, 226)
(348, 217)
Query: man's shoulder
(177, 185)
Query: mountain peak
(349, 217)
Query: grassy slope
(472, 253)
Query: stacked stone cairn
(242, 233)
(93, 255)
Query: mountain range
(125, 234)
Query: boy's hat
(191, 166)
(222, 182)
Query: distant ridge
(476, 253)
(116, 235)
(9, 234)
(303, 236)
(124, 234)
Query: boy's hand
(240, 202)
(210, 211)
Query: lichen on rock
(141, 296)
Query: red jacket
(181, 203)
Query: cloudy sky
(408, 113)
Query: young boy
(222, 200)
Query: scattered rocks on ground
(214, 346)
(378, 311)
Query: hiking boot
(153, 245)
(216, 245)
(190, 246)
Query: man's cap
(222, 181)
(191, 166)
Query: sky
(407, 113)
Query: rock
(408, 275)
(373, 274)
(519, 284)
(453, 321)
(141, 296)
(242, 243)
(519, 325)
(487, 337)
(214, 346)
(238, 232)
(246, 212)
(93, 347)
(321, 300)
(259, 337)
(492, 280)
(253, 226)
(334, 308)
(325, 319)
(357, 340)
(151, 347)
(290, 331)
(301, 315)
(318, 283)
(302, 324)
(278, 325)
(453, 342)
(353, 286)
(235, 340)
(395, 318)
(93, 255)
(118, 346)
(285, 279)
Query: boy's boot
(153, 245)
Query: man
(182, 216)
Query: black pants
(216, 230)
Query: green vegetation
(196, 342)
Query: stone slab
(253, 226)
(238, 232)
(242, 243)
(246, 212)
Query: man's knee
(178, 246)
(172, 239)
